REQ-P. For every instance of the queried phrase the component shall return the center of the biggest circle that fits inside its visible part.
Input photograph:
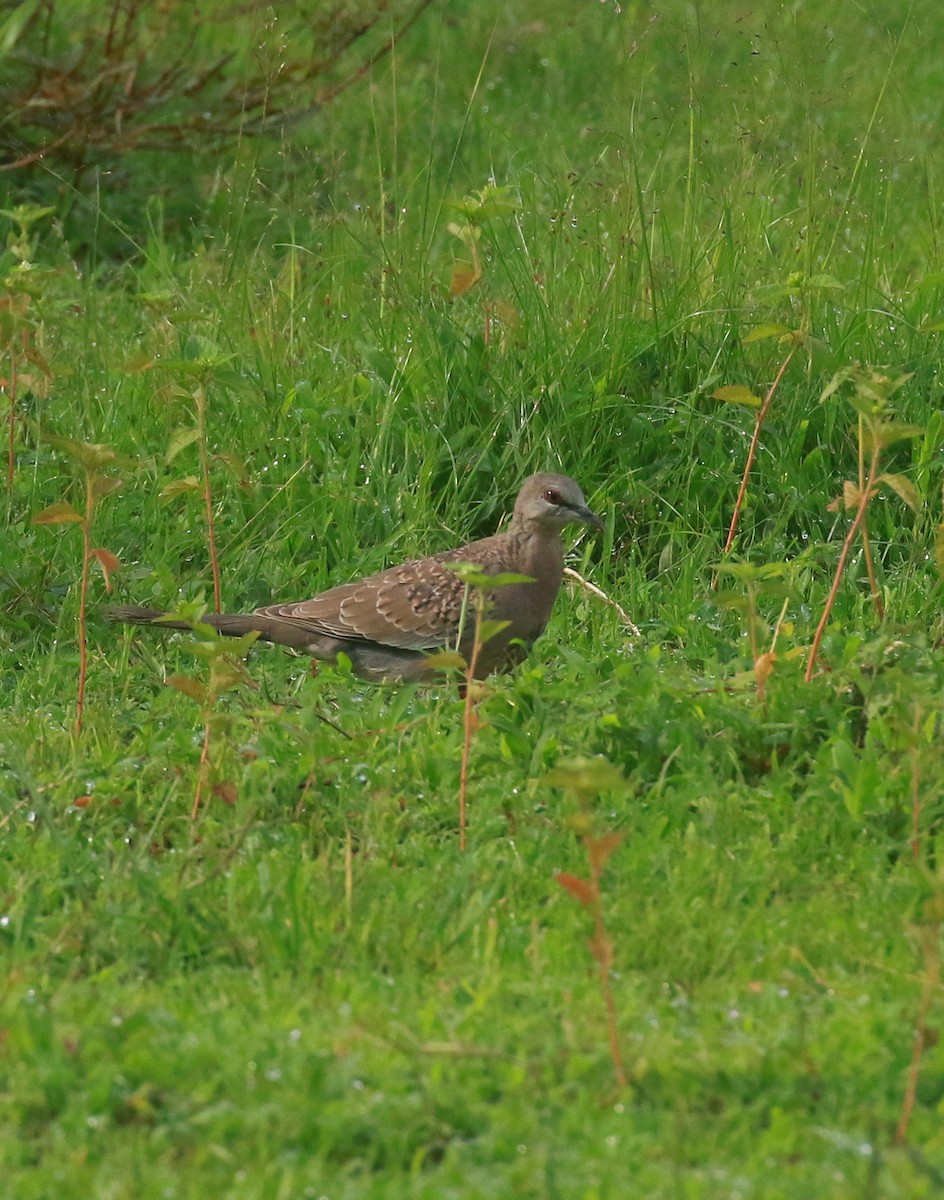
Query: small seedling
(767, 579)
(225, 671)
(927, 934)
(875, 432)
(490, 202)
(93, 461)
(586, 778)
(19, 324)
(203, 359)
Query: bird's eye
(552, 496)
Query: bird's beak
(582, 513)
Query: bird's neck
(540, 553)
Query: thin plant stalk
(866, 539)
(752, 451)
(915, 788)
(468, 718)
(603, 957)
(83, 598)
(930, 985)
(865, 494)
(202, 769)
(11, 433)
(200, 399)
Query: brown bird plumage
(390, 623)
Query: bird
(392, 625)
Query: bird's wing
(416, 606)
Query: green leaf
(885, 433)
(586, 776)
(447, 660)
(819, 283)
(201, 356)
(179, 487)
(489, 629)
(60, 513)
(188, 686)
(10, 31)
(200, 349)
(737, 393)
(905, 489)
(104, 485)
(93, 456)
(236, 467)
(491, 201)
(761, 333)
(180, 439)
(474, 576)
(227, 673)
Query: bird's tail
(270, 629)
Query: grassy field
(306, 989)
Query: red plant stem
(931, 982)
(200, 398)
(866, 540)
(915, 787)
(865, 494)
(468, 721)
(752, 450)
(83, 598)
(201, 770)
(11, 442)
(602, 956)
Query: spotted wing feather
(416, 606)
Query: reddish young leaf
(225, 791)
(108, 562)
(764, 666)
(581, 889)
(600, 848)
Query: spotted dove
(390, 624)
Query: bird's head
(551, 501)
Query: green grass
(310, 991)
